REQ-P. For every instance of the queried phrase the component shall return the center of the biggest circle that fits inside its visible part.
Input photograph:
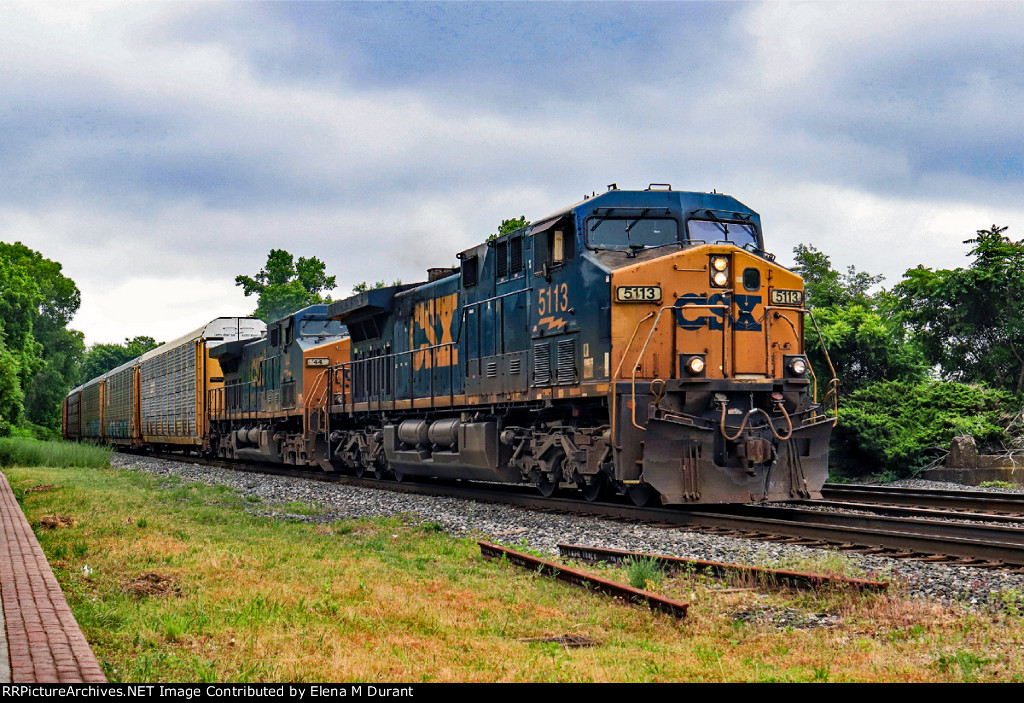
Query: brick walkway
(44, 641)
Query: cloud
(161, 148)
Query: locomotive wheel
(380, 469)
(596, 489)
(641, 495)
(546, 486)
(548, 481)
(360, 466)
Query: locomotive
(639, 342)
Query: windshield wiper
(633, 224)
(602, 219)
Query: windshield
(321, 328)
(708, 231)
(632, 232)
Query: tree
(363, 286)
(20, 353)
(969, 322)
(61, 348)
(865, 341)
(509, 226)
(286, 285)
(104, 357)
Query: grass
(19, 451)
(644, 572)
(180, 582)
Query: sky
(158, 150)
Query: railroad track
(981, 502)
(944, 541)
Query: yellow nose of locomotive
(719, 311)
(712, 381)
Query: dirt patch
(564, 640)
(41, 488)
(785, 618)
(152, 584)
(52, 522)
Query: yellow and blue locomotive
(642, 342)
(637, 341)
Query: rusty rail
(764, 576)
(582, 579)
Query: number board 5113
(638, 294)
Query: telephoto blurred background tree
(39, 355)
(969, 322)
(940, 355)
(287, 284)
(101, 358)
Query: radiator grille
(501, 259)
(517, 254)
(541, 364)
(566, 361)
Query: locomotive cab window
(552, 246)
(470, 271)
(738, 233)
(629, 233)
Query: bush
(902, 426)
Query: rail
(381, 374)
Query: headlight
(798, 367)
(695, 365)
(719, 271)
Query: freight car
(157, 400)
(641, 342)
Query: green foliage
(865, 341)
(969, 322)
(864, 344)
(900, 426)
(22, 354)
(643, 571)
(286, 284)
(16, 451)
(103, 357)
(824, 286)
(50, 374)
(1005, 485)
(364, 286)
(509, 226)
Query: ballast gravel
(976, 588)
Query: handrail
(377, 363)
(308, 407)
(650, 334)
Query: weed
(143, 522)
(644, 572)
(80, 549)
(967, 662)
(1006, 485)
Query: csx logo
(713, 317)
(432, 327)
